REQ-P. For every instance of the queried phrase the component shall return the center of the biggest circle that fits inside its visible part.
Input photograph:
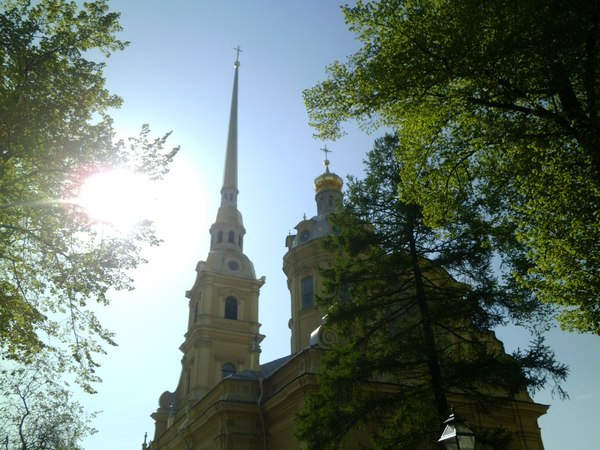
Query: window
(304, 235)
(306, 286)
(196, 312)
(227, 370)
(220, 236)
(231, 308)
(231, 236)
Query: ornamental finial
(237, 56)
(326, 162)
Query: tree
(37, 411)
(54, 131)
(497, 104)
(414, 306)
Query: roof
(266, 370)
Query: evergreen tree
(413, 307)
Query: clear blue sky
(177, 75)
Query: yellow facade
(259, 413)
(226, 399)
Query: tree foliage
(37, 410)
(54, 131)
(497, 104)
(414, 306)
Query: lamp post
(456, 435)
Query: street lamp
(456, 435)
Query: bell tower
(306, 254)
(223, 330)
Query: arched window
(231, 308)
(227, 370)
(331, 200)
(220, 236)
(196, 312)
(231, 236)
(307, 290)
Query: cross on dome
(326, 162)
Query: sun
(118, 197)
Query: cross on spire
(237, 56)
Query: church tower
(223, 331)
(306, 254)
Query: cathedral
(226, 398)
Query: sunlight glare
(118, 197)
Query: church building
(226, 398)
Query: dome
(328, 181)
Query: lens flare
(118, 197)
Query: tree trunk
(433, 363)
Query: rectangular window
(231, 308)
(308, 297)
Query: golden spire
(229, 191)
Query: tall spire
(229, 191)
(228, 230)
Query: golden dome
(328, 180)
